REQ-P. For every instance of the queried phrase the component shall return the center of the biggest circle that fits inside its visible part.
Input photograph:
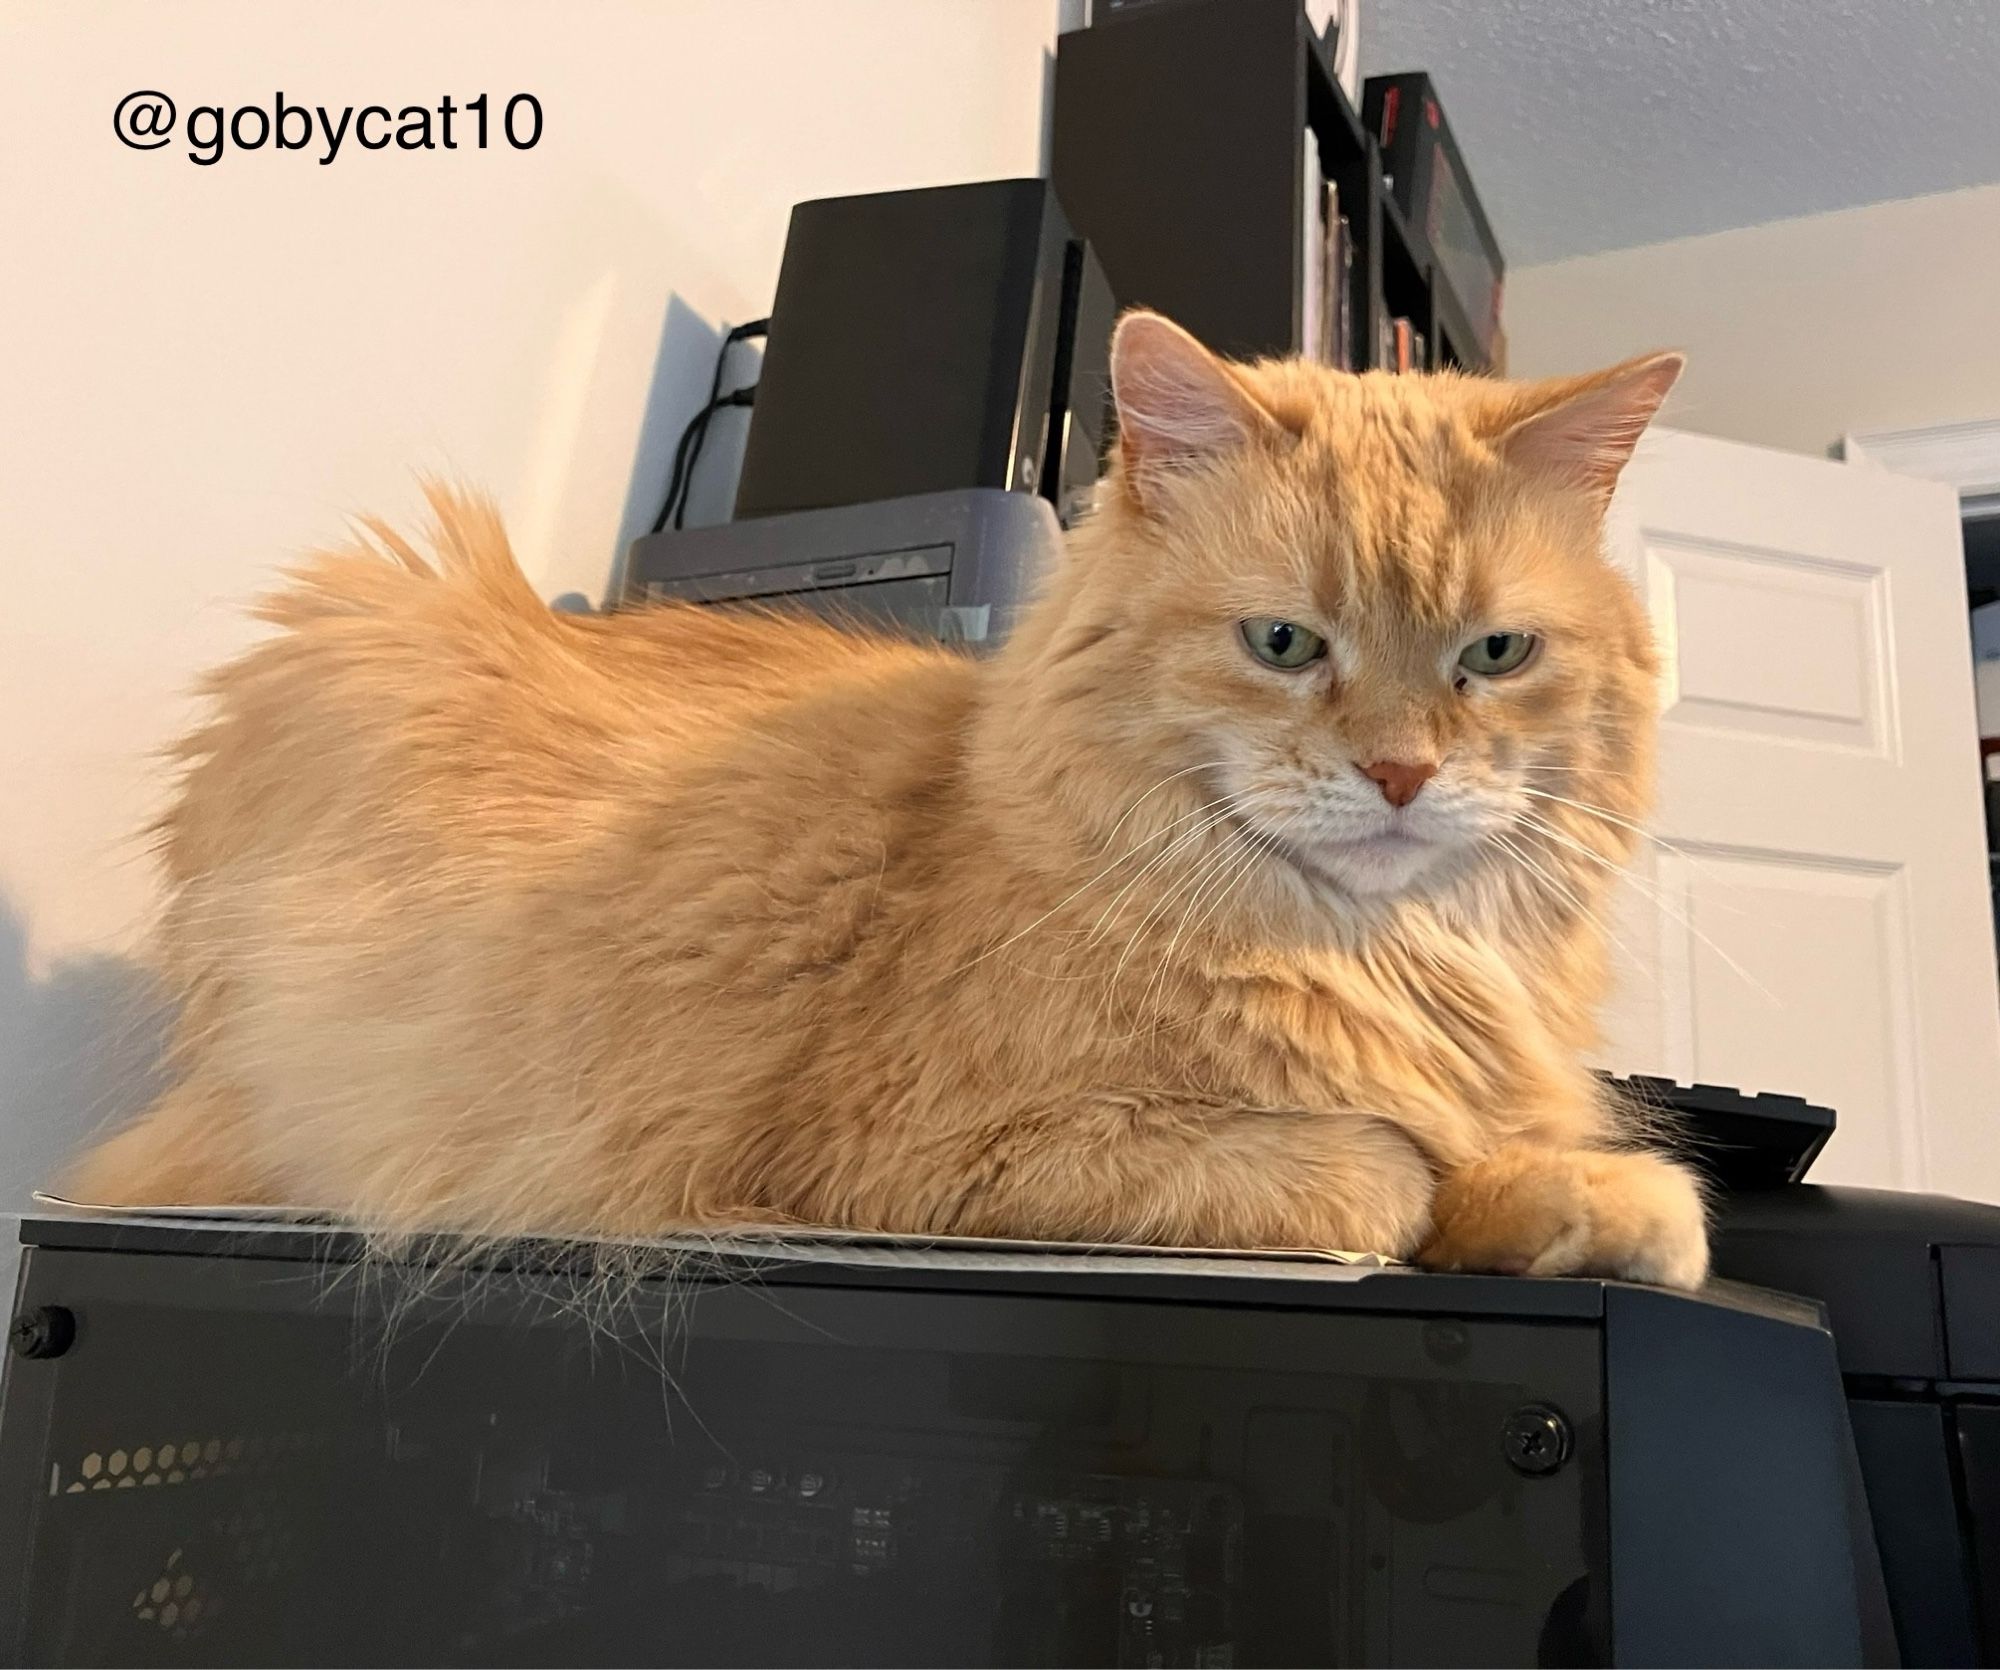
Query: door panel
(1831, 936)
(1773, 644)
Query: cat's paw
(1534, 1211)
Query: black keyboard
(1740, 1140)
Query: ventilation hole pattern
(176, 1602)
(180, 1463)
(258, 1536)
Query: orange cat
(1248, 896)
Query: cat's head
(1370, 617)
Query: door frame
(1964, 456)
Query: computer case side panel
(27, 1395)
(1733, 1467)
(1905, 1448)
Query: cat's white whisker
(1587, 912)
(1264, 845)
(1674, 847)
(1202, 867)
(1233, 859)
(1171, 777)
(1655, 897)
(1600, 812)
(1123, 859)
(1231, 806)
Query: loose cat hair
(1242, 897)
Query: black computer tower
(924, 341)
(1911, 1284)
(237, 1444)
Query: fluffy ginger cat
(1249, 895)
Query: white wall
(203, 368)
(1796, 331)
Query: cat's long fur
(490, 918)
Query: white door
(1814, 916)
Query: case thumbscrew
(45, 1331)
(1536, 1439)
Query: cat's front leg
(1527, 1209)
(1158, 1170)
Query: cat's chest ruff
(1390, 971)
(1386, 1016)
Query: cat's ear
(1580, 431)
(1179, 407)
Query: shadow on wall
(683, 367)
(80, 1051)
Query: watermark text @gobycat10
(150, 120)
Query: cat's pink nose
(1399, 780)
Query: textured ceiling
(1598, 124)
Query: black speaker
(928, 340)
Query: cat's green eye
(1497, 654)
(1282, 644)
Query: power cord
(688, 449)
(681, 482)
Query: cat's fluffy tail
(374, 634)
(469, 549)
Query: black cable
(688, 448)
(695, 425)
(735, 397)
(740, 333)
